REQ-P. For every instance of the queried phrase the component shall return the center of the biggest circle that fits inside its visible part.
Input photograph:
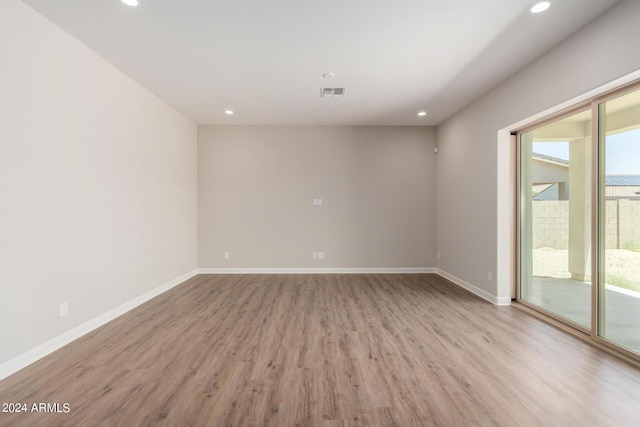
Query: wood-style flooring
(326, 350)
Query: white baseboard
(416, 270)
(474, 289)
(31, 356)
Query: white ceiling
(265, 59)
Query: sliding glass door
(579, 219)
(619, 225)
(555, 194)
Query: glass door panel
(619, 221)
(555, 238)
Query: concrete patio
(572, 300)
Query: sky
(622, 156)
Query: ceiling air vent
(332, 92)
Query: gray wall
(257, 185)
(470, 199)
(97, 184)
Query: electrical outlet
(64, 309)
(226, 255)
(489, 276)
(320, 255)
(315, 255)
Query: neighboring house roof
(622, 192)
(617, 186)
(623, 180)
(622, 187)
(550, 159)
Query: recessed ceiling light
(228, 112)
(422, 113)
(328, 75)
(540, 7)
(130, 2)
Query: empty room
(337, 213)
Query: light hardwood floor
(326, 350)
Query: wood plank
(326, 350)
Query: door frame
(588, 334)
